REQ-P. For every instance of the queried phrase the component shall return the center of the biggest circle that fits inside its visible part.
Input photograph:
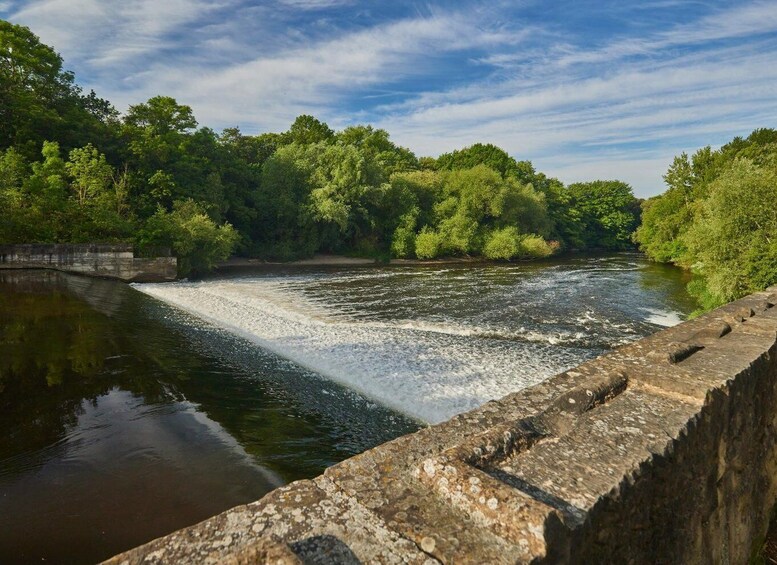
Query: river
(128, 412)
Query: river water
(128, 412)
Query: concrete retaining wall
(108, 261)
(663, 451)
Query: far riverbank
(325, 260)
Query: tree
(668, 217)
(284, 227)
(486, 154)
(90, 172)
(376, 146)
(345, 185)
(40, 101)
(458, 212)
(609, 211)
(733, 239)
(198, 242)
(159, 116)
(172, 161)
(13, 172)
(307, 130)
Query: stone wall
(109, 261)
(662, 451)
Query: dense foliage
(718, 218)
(73, 170)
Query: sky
(584, 89)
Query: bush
(428, 244)
(194, 237)
(403, 240)
(502, 244)
(534, 247)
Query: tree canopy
(717, 218)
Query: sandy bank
(340, 260)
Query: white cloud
(111, 32)
(270, 90)
(567, 118)
(316, 4)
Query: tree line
(718, 218)
(72, 169)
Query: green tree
(486, 154)
(477, 200)
(733, 239)
(307, 130)
(668, 217)
(40, 101)
(14, 170)
(609, 211)
(198, 242)
(284, 228)
(346, 185)
(376, 146)
(155, 133)
(90, 172)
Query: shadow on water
(120, 422)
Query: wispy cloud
(113, 32)
(271, 89)
(316, 4)
(569, 107)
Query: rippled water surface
(432, 342)
(126, 413)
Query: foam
(428, 371)
(665, 318)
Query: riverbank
(324, 260)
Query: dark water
(122, 418)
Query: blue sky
(584, 90)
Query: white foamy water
(666, 319)
(430, 372)
(432, 343)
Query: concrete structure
(662, 451)
(107, 261)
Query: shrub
(534, 247)
(194, 237)
(503, 244)
(428, 244)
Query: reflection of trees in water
(65, 341)
(57, 352)
(670, 281)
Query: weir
(661, 451)
(105, 261)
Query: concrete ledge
(662, 451)
(107, 261)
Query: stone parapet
(108, 261)
(662, 451)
